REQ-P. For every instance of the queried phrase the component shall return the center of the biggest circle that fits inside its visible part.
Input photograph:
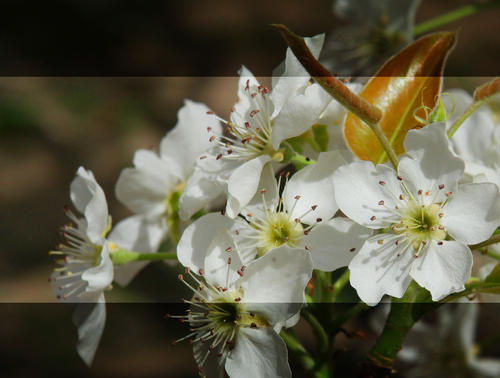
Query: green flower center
(277, 230)
(421, 223)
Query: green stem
(492, 240)
(318, 330)
(335, 325)
(492, 254)
(471, 288)
(298, 350)
(340, 283)
(123, 256)
(454, 15)
(466, 114)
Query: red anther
(173, 342)
(373, 218)
(210, 112)
(237, 232)
(440, 243)
(319, 220)
(247, 125)
(420, 191)
(219, 354)
(381, 182)
(297, 197)
(314, 207)
(397, 242)
(247, 86)
(243, 267)
(212, 138)
(297, 220)
(441, 186)
(381, 202)
(399, 178)
(210, 347)
(253, 325)
(233, 109)
(240, 273)
(238, 299)
(187, 270)
(200, 272)
(229, 152)
(448, 194)
(223, 212)
(441, 215)
(253, 94)
(352, 249)
(229, 249)
(254, 112)
(180, 277)
(229, 261)
(209, 128)
(307, 248)
(218, 156)
(262, 191)
(203, 157)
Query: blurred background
(88, 83)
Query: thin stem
(318, 330)
(454, 15)
(301, 160)
(340, 283)
(124, 256)
(466, 114)
(298, 350)
(335, 325)
(493, 240)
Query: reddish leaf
(405, 83)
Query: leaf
(401, 89)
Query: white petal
(189, 138)
(430, 162)
(360, 187)
(314, 185)
(100, 276)
(256, 206)
(299, 114)
(200, 190)
(138, 234)
(243, 106)
(243, 184)
(472, 213)
(258, 353)
(143, 189)
(218, 271)
(89, 318)
(88, 197)
(377, 269)
(333, 244)
(196, 238)
(293, 77)
(488, 367)
(274, 284)
(443, 269)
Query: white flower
(418, 209)
(259, 122)
(149, 189)
(477, 140)
(300, 219)
(236, 309)
(85, 269)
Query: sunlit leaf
(406, 84)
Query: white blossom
(426, 220)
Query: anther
(441, 215)
(203, 157)
(382, 183)
(352, 249)
(210, 112)
(380, 241)
(209, 128)
(440, 243)
(200, 272)
(262, 191)
(448, 194)
(319, 220)
(254, 112)
(420, 191)
(381, 202)
(401, 197)
(399, 178)
(180, 277)
(373, 218)
(238, 299)
(441, 186)
(229, 261)
(253, 325)
(247, 125)
(307, 248)
(229, 249)
(297, 197)
(314, 207)
(218, 156)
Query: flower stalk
(123, 256)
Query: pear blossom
(85, 269)
(259, 122)
(301, 218)
(237, 310)
(157, 181)
(426, 219)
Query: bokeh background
(88, 83)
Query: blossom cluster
(251, 228)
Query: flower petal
(89, 199)
(143, 189)
(196, 238)
(200, 190)
(258, 353)
(290, 77)
(314, 186)
(257, 206)
(222, 261)
(472, 213)
(443, 269)
(299, 114)
(243, 184)
(139, 234)
(100, 276)
(381, 268)
(430, 162)
(189, 138)
(335, 243)
(89, 318)
(367, 194)
(274, 284)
